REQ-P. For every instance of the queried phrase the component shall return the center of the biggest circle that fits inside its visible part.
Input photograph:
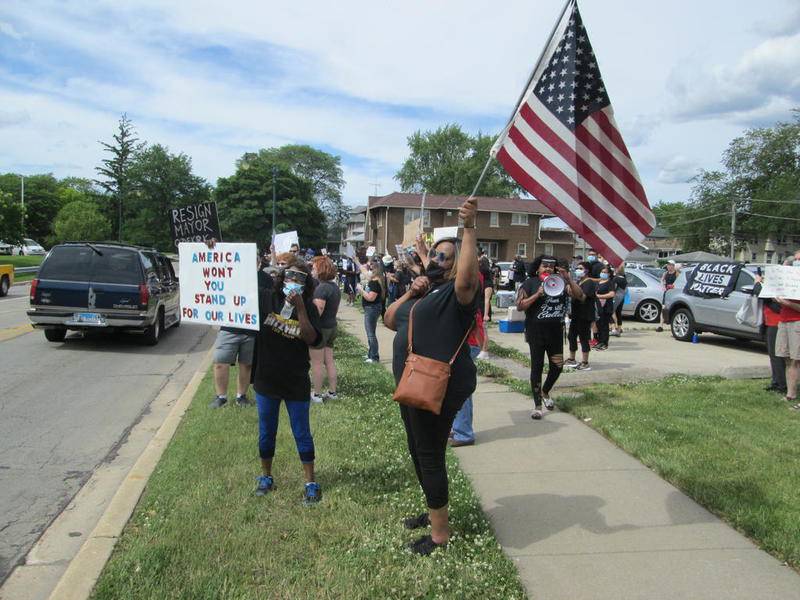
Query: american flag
(564, 147)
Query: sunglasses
(439, 256)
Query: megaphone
(554, 285)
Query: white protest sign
(371, 251)
(283, 241)
(781, 281)
(349, 251)
(219, 286)
(440, 233)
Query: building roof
(433, 201)
(356, 218)
(659, 233)
(698, 256)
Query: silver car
(692, 314)
(644, 296)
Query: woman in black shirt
(373, 293)
(605, 306)
(667, 283)
(581, 318)
(444, 303)
(620, 289)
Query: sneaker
(583, 367)
(601, 347)
(317, 398)
(548, 403)
(483, 355)
(659, 329)
(417, 522)
(425, 546)
(218, 402)
(570, 363)
(615, 333)
(264, 485)
(312, 493)
(537, 414)
(369, 360)
(593, 343)
(243, 401)
(331, 396)
(454, 443)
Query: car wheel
(55, 335)
(682, 325)
(4, 285)
(648, 311)
(153, 333)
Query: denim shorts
(233, 344)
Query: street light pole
(22, 199)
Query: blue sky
(357, 78)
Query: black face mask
(434, 272)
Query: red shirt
(771, 318)
(789, 315)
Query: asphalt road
(65, 408)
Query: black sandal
(418, 522)
(425, 546)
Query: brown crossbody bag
(424, 380)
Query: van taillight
(144, 294)
(34, 285)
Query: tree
(322, 170)
(116, 169)
(81, 220)
(41, 201)
(10, 219)
(159, 181)
(449, 161)
(244, 202)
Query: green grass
(727, 444)
(199, 532)
(21, 261)
(515, 355)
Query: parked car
(5, 248)
(84, 286)
(692, 314)
(506, 274)
(644, 295)
(6, 278)
(30, 248)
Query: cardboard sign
(194, 223)
(283, 241)
(712, 280)
(410, 232)
(440, 233)
(219, 286)
(370, 251)
(349, 251)
(781, 281)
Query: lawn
(21, 261)
(728, 444)
(199, 532)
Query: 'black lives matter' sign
(195, 223)
(712, 280)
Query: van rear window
(117, 266)
(67, 263)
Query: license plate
(89, 318)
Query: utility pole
(375, 185)
(274, 174)
(733, 227)
(22, 199)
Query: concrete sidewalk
(581, 519)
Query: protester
(349, 275)
(771, 318)
(485, 268)
(444, 304)
(462, 433)
(389, 273)
(373, 293)
(787, 342)
(582, 315)
(621, 288)
(605, 306)
(518, 271)
(326, 300)
(289, 325)
(667, 283)
(544, 327)
(294, 249)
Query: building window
(492, 249)
(770, 254)
(522, 249)
(494, 219)
(413, 213)
(548, 249)
(519, 218)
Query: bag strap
(411, 329)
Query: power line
(752, 214)
(725, 214)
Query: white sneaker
(548, 403)
(483, 355)
(369, 360)
(331, 396)
(316, 398)
(536, 414)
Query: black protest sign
(712, 280)
(195, 223)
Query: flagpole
(522, 95)
(422, 213)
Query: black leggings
(579, 328)
(427, 435)
(548, 340)
(603, 321)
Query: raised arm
(467, 280)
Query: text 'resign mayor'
(219, 286)
(194, 223)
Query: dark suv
(105, 286)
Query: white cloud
(9, 30)
(678, 169)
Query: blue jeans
(268, 411)
(371, 314)
(462, 426)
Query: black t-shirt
(373, 286)
(328, 291)
(282, 355)
(440, 323)
(585, 310)
(669, 278)
(403, 281)
(620, 282)
(605, 287)
(547, 311)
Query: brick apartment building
(506, 226)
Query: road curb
(83, 571)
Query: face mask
(603, 275)
(592, 258)
(434, 272)
(292, 286)
(579, 273)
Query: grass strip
(198, 531)
(512, 353)
(21, 261)
(727, 443)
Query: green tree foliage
(322, 170)
(116, 171)
(41, 201)
(158, 181)
(449, 161)
(10, 219)
(244, 203)
(81, 220)
(760, 182)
